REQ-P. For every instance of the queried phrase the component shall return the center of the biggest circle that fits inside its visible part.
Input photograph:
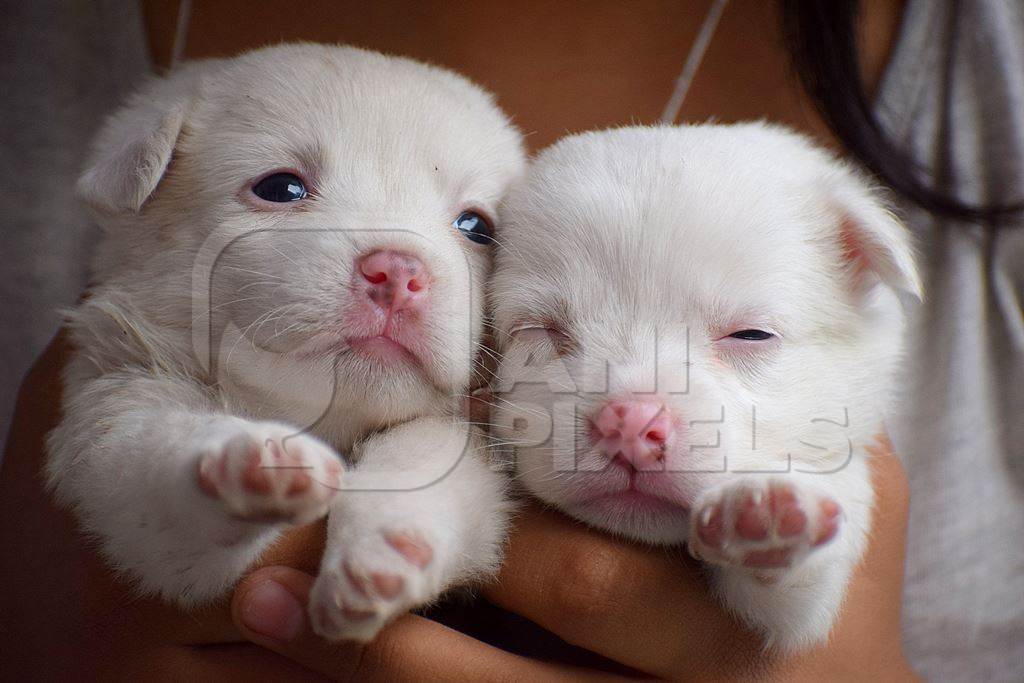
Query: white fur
(628, 257)
(212, 327)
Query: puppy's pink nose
(633, 432)
(393, 281)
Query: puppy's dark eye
(752, 335)
(474, 226)
(280, 187)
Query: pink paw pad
(711, 529)
(829, 513)
(385, 585)
(412, 548)
(388, 586)
(207, 479)
(255, 477)
(772, 558)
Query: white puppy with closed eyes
(294, 247)
(700, 327)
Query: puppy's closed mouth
(383, 348)
(640, 490)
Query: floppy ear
(876, 246)
(134, 147)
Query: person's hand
(647, 609)
(64, 615)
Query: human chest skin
(557, 66)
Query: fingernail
(272, 611)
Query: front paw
(763, 525)
(268, 472)
(375, 577)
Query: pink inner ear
(854, 249)
(875, 246)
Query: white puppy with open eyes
(295, 243)
(700, 327)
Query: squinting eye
(474, 226)
(280, 188)
(533, 333)
(548, 335)
(752, 335)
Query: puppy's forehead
(346, 111)
(665, 220)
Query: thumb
(268, 604)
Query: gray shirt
(953, 94)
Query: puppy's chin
(333, 389)
(637, 512)
(385, 368)
(634, 518)
(385, 374)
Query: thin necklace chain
(693, 60)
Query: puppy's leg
(442, 522)
(176, 491)
(783, 548)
